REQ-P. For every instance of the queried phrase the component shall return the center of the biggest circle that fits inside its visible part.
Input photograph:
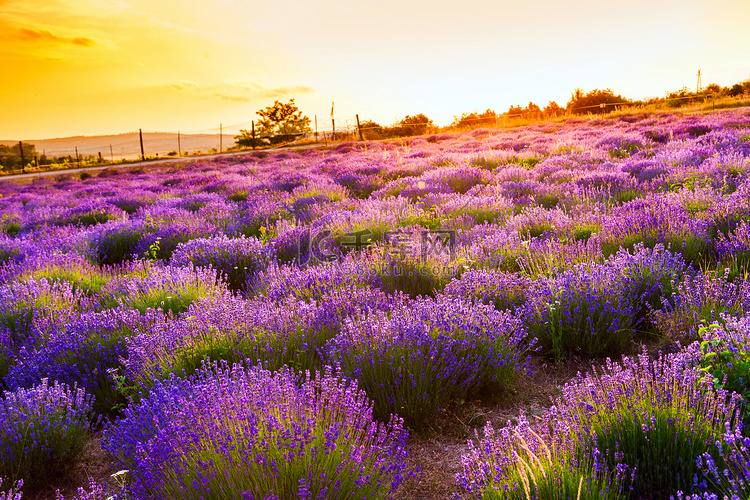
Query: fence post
(140, 134)
(359, 129)
(20, 150)
(333, 125)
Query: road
(149, 163)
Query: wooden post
(252, 123)
(316, 128)
(333, 125)
(221, 137)
(179, 146)
(359, 129)
(36, 161)
(20, 150)
(140, 134)
(101, 160)
(111, 153)
(78, 160)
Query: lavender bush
(237, 260)
(639, 428)
(244, 432)
(516, 463)
(168, 288)
(43, 431)
(581, 311)
(429, 352)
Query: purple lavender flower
(419, 357)
(237, 260)
(43, 431)
(247, 432)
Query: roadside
(161, 161)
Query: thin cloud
(83, 42)
(230, 97)
(282, 91)
(44, 35)
(239, 91)
(185, 84)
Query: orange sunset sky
(85, 67)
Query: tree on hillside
(278, 122)
(530, 111)
(514, 111)
(372, 130)
(486, 119)
(553, 110)
(595, 101)
(736, 90)
(414, 125)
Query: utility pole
(140, 134)
(698, 88)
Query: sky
(90, 67)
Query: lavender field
(299, 325)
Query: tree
(736, 90)
(596, 101)
(414, 125)
(553, 110)
(282, 119)
(488, 118)
(10, 156)
(372, 130)
(278, 123)
(530, 111)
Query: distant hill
(128, 145)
